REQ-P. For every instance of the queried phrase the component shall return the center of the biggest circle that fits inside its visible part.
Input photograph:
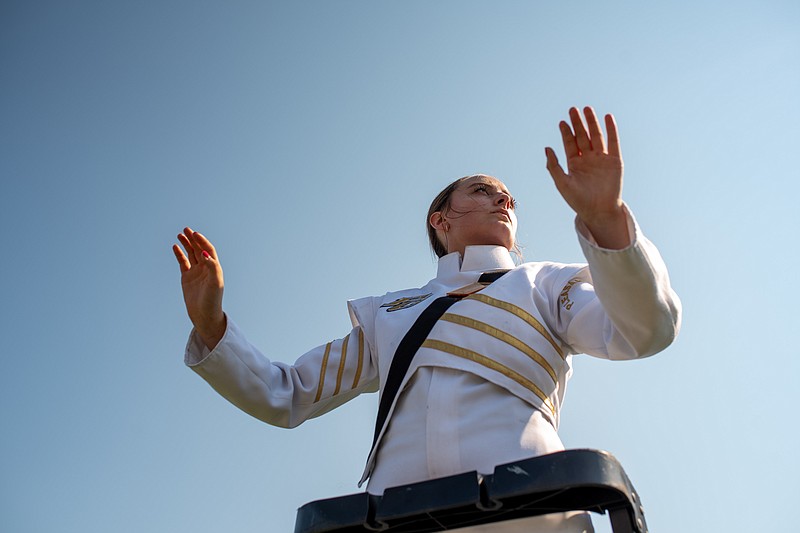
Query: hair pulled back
(442, 203)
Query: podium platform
(572, 480)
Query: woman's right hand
(202, 284)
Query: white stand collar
(476, 258)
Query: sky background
(306, 139)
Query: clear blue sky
(307, 139)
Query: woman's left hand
(592, 185)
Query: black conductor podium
(572, 480)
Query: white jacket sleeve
(622, 306)
(278, 393)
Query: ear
(438, 222)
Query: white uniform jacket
(487, 384)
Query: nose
(503, 199)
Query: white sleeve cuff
(197, 351)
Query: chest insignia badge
(405, 302)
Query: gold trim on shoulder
(491, 364)
(503, 336)
(521, 313)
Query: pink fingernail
(206, 254)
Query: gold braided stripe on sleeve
(360, 357)
(341, 366)
(322, 369)
(503, 336)
(519, 312)
(491, 364)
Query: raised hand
(592, 184)
(202, 283)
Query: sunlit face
(481, 211)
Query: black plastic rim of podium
(572, 480)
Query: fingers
(581, 137)
(570, 146)
(197, 247)
(595, 132)
(553, 166)
(613, 137)
(205, 245)
(589, 136)
(182, 261)
(187, 245)
(561, 179)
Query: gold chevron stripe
(503, 336)
(491, 364)
(521, 313)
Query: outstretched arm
(277, 393)
(592, 184)
(623, 307)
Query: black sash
(410, 344)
